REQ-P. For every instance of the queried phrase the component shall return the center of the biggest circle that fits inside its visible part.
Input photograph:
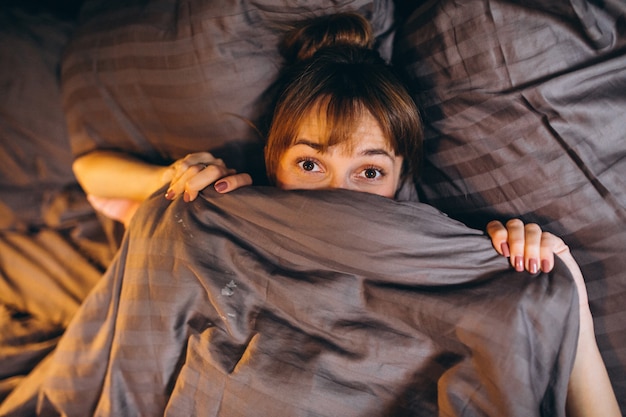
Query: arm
(111, 174)
(116, 183)
(589, 392)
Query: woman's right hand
(196, 171)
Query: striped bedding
(272, 303)
(523, 107)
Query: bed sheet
(312, 303)
(53, 247)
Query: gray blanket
(318, 303)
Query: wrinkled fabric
(313, 303)
(53, 248)
(523, 104)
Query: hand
(119, 209)
(589, 392)
(527, 246)
(196, 171)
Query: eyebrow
(309, 143)
(377, 151)
(366, 152)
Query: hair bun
(309, 36)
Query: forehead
(364, 132)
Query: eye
(309, 165)
(372, 173)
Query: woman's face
(366, 163)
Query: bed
(272, 303)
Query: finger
(551, 245)
(516, 236)
(532, 247)
(198, 158)
(232, 182)
(206, 158)
(167, 174)
(203, 179)
(498, 234)
(177, 186)
(176, 170)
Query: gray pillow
(163, 79)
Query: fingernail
(186, 197)
(220, 186)
(504, 247)
(519, 263)
(545, 265)
(169, 194)
(533, 266)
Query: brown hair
(336, 71)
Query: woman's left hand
(527, 246)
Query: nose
(339, 181)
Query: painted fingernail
(220, 186)
(533, 266)
(545, 265)
(186, 197)
(519, 263)
(169, 194)
(504, 247)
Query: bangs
(339, 118)
(338, 89)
